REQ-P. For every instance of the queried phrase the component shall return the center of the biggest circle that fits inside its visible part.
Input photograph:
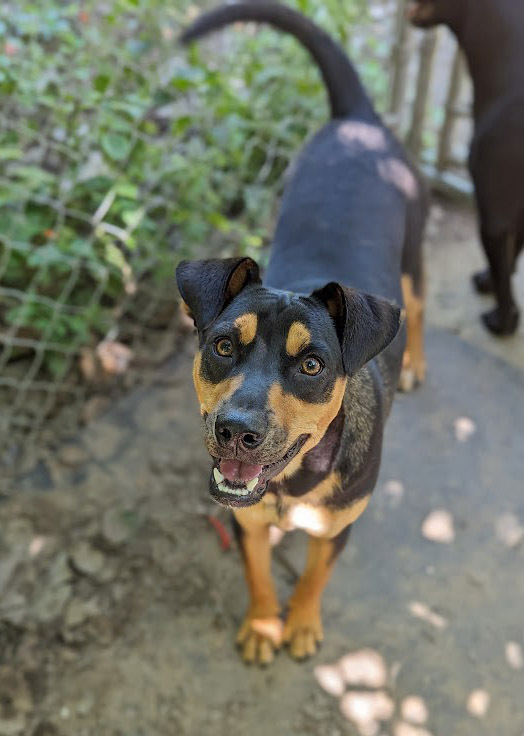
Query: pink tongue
(235, 470)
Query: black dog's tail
(346, 94)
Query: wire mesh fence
(120, 154)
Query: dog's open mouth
(238, 483)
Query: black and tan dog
(296, 376)
(491, 33)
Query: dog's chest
(307, 513)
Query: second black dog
(491, 34)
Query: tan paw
(259, 637)
(413, 373)
(302, 632)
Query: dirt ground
(118, 606)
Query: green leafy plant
(122, 153)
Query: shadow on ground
(118, 606)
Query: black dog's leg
(483, 282)
(501, 252)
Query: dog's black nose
(239, 428)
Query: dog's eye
(311, 366)
(224, 347)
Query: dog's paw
(482, 282)
(259, 637)
(303, 632)
(413, 373)
(501, 325)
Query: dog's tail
(346, 94)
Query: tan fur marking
(210, 394)
(414, 361)
(298, 338)
(299, 417)
(246, 325)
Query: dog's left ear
(208, 286)
(365, 324)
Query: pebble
(60, 571)
(51, 603)
(72, 455)
(86, 559)
(79, 611)
(118, 526)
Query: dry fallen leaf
(366, 709)
(395, 490)
(365, 668)
(330, 679)
(36, 545)
(514, 655)
(439, 527)
(420, 610)
(478, 703)
(414, 710)
(464, 428)
(114, 357)
(509, 530)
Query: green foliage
(122, 153)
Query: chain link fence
(119, 155)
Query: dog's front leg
(261, 631)
(303, 627)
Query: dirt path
(118, 607)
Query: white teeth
(225, 488)
(218, 475)
(252, 484)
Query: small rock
(18, 532)
(60, 572)
(85, 706)
(79, 611)
(72, 455)
(13, 608)
(51, 603)
(118, 525)
(86, 559)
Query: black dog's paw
(501, 325)
(482, 282)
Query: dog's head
(271, 368)
(428, 13)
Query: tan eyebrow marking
(297, 339)
(246, 324)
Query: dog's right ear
(365, 324)
(207, 287)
